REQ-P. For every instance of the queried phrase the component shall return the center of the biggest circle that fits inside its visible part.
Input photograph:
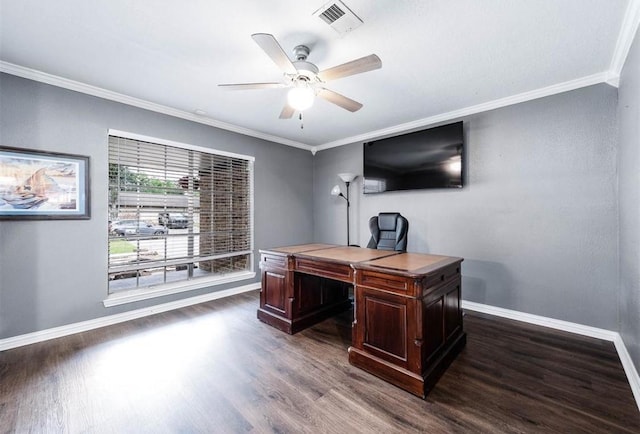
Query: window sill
(134, 295)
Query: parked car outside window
(133, 227)
(118, 224)
(173, 221)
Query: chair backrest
(388, 232)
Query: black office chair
(388, 232)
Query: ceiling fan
(304, 78)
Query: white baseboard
(594, 332)
(629, 368)
(57, 332)
(544, 321)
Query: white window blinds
(176, 213)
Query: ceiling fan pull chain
(301, 122)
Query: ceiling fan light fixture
(301, 97)
(304, 78)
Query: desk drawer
(441, 276)
(330, 270)
(383, 281)
(273, 261)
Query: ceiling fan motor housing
(305, 69)
(301, 52)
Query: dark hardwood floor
(215, 368)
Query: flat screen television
(431, 158)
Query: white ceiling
(440, 58)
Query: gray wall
(536, 223)
(629, 201)
(54, 273)
(537, 219)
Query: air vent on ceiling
(339, 17)
(332, 14)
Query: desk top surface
(300, 248)
(411, 263)
(382, 260)
(346, 254)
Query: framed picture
(43, 185)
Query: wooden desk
(407, 325)
(303, 285)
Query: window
(177, 213)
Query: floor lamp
(347, 178)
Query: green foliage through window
(127, 180)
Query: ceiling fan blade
(364, 64)
(246, 86)
(339, 100)
(270, 46)
(287, 112)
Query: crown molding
(88, 89)
(625, 37)
(613, 80)
(609, 77)
(491, 105)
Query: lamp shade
(301, 97)
(335, 191)
(347, 177)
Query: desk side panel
(385, 331)
(407, 329)
(442, 320)
(276, 291)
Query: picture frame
(41, 185)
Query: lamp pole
(347, 178)
(348, 204)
